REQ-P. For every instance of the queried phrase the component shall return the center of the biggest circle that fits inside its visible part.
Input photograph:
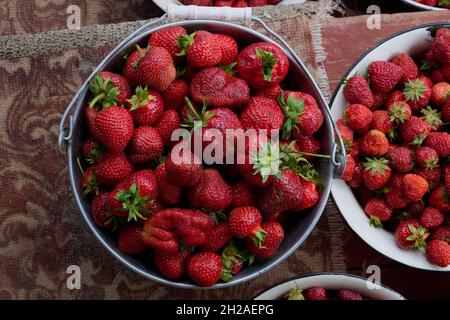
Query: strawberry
(417, 93)
(156, 69)
(257, 3)
(414, 131)
(409, 67)
(441, 233)
(169, 193)
(183, 168)
(394, 96)
(446, 173)
(439, 199)
(262, 64)
(92, 152)
(89, 182)
(426, 157)
(374, 143)
(310, 197)
(411, 235)
(382, 121)
(90, 113)
(146, 145)
(303, 116)
(315, 294)
(376, 173)
(201, 48)
(445, 111)
(204, 268)
(232, 261)
(357, 91)
(415, 209)
(113, 127)
(132, 197)
(167, 38)
(345, 132)
(378, 99)
(175, 94)
(431, 218)
(240, 4)
(112, 169)
(384, 76)
(432, 176)
(228, 47)
(437, 76)
(109, 89)
(349, 295)
(378, 211)
(129, 240)
(357, 178)
(167, 124)
(172, 266)
(358, 118)
(394, 195)
(211, 193)
(262, 113)
(401, 159)
(414, 186)
(269, 92)
(440, 93)
(245, 222)
(146, 106)
(218, 237)
(439, 141)
(441, 48)
(354, 149)
(270, 244)
(432, 117)
(132, 61)
(99, 211)
(223, 3)
(399, 112)
(350, 168)
(216, 88)
(243, 195)
(438, 252)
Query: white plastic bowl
(412, 41)
(421, 6)
(331, 281)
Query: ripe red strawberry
(349, 295)
(169, 122)
(394, 96)
(204, 268)
(167, 38)
(445, 111)
(441, 48)
(146, 145)
(183, 168)
(378, 211)
(99, 211)
(156, 69)
(433, 176)
(414, 186)
(374, 143)
(414, 131)
(211, 193)
(201, 48)
(440, 93)
(240, 4)
(113, 127)
(376, 173)
(218, 237)
(411, 235)
(169, 193)
(431, 218)
(310, 196)
(437, 76)
(245, 222)
(269, 92)
(172, 266)
(92, 152)
(270, 244)
(257, 3)
(243, 195)
(223, 3)
(349, 169)
(262, 64)
(146, 107)
(382, 121)
(89, 114)
(315, 294)
(303, 116)
(409, 67)
(394, 195)
(426, 157)
(358, 117)
(132, 197)
(438, 252)
(131, 64)
(399, 112)
(441, 233)
(446, 174)
(216, 88)
(345, 132)
(112, 169)
(109, 89)
(175, 94)
(417, 93)
(357, 91)
(89, 182)
(229, 48)
(129, 240)
(440, 199)
(384, 76)
(357, 178)
(262, 113)
(415, 209)
(401, 159)
(439, 141)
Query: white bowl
(331, 281)
(412, 41)
(422, 6)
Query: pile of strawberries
(318, 293)
(396, 132)
(435, 3)
(230, 3)
(206, 220)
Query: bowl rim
(330, 273)
(432, 27)
(421, 6)
(125, 261)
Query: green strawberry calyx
(432, 117)
(184, 42)
(267, 161)
(140, 99)
(398, 113)
(426, 65)
(90, 183)
(231, 255)
(418, 236)
(377, 165)
(142, 53)
(196, 120)
(268, 62)
(295, 293)
(415, 90)
(418, 140)
(134, 203)
(229, 69)
(104, 92)
(375, 222)
(292, 109)
(258, 237)
(94, 155)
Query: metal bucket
(298, 228)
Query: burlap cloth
(41, 230)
